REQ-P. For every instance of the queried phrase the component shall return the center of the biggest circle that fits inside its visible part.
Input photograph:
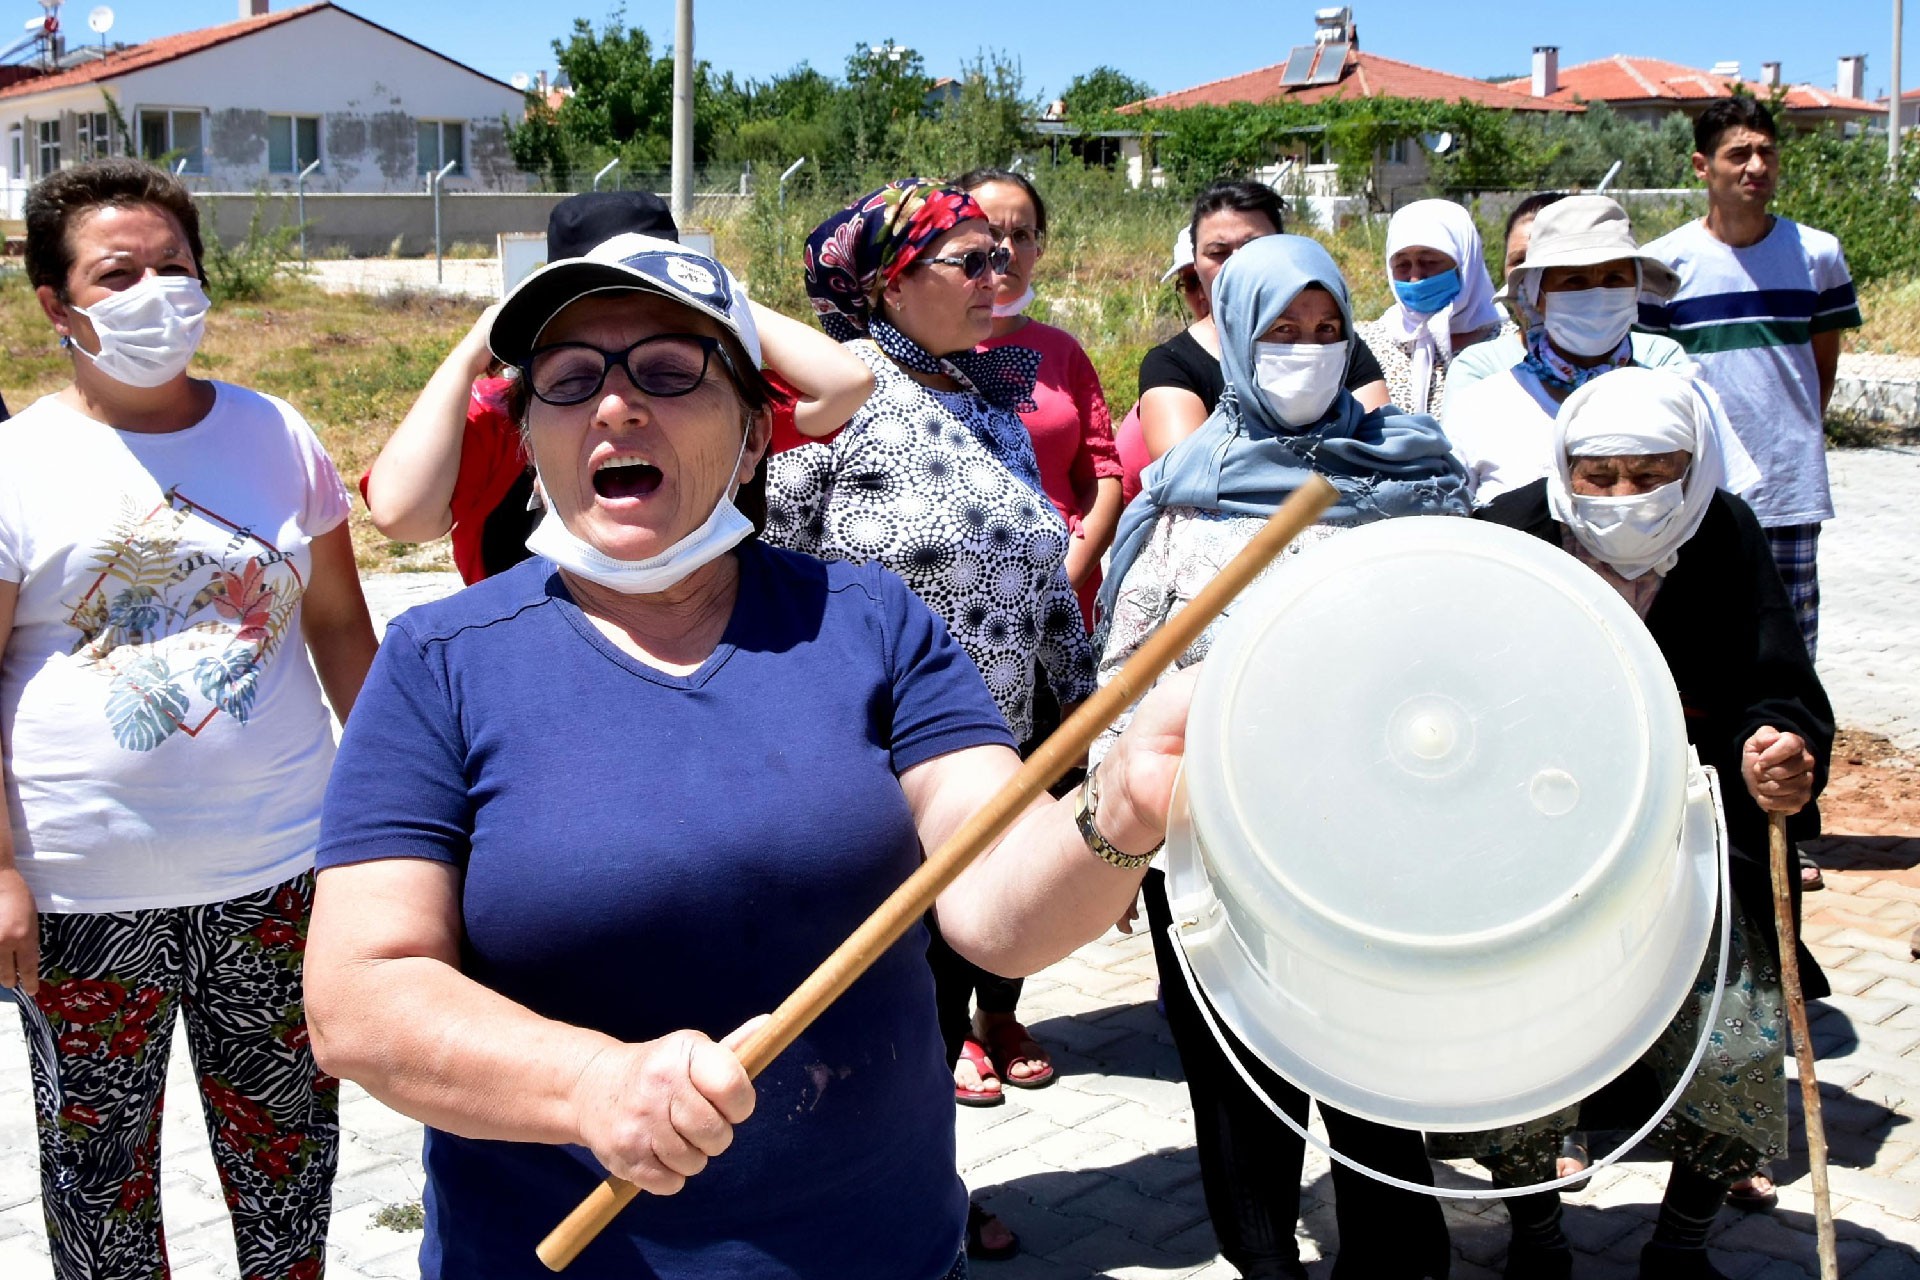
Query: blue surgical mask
(1426, 297)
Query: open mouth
(618, 478)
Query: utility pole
(682, 195)
(1894, 112)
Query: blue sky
(1168, 43)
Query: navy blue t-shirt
(645, 852)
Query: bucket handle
(1725, 912)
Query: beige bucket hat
(1581, 231)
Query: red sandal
(973, 1051)
(1004, 1041)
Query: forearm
(410, 487)
(334, 621)
(1041, 892)
(342, 651)
(1826, 364)
(433, 1044)
(1096, 530)
(831, 380)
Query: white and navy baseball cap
(624, 262)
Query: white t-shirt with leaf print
(165, 739)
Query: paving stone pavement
(1097, 1173)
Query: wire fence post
(787, 173)
(300, 204)
(605, 169)
(439, 260)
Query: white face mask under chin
(1631, 533)
(1300, 379)
(149, 332)
(1002, 310)
(723, 529)
(1591, 322)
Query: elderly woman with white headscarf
(1443, 302)
(1634, 495)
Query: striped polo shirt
(1748, 317)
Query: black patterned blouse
(928, 483)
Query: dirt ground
(1874, 789)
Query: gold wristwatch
(1085, 806)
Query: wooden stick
(1059, 753)
(1802, 1045)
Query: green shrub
(243, 272)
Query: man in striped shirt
(1761, 305)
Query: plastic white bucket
(1440, 853)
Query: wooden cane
(1802, 1046)
(1059, 753)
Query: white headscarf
(1442, 225)
(1634, 411)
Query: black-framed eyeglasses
(974, 262)
(664, 366)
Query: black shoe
(1664, 1262)
(1531, 1262)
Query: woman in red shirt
(1072, 435)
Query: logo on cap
(691, 276)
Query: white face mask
(1630, 533)
(1001, 310)
(1300, 379)
(724, 528)
(1590, 322)
(148, 333)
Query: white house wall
(368, 88)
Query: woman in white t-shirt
(171, 552)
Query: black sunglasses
(663, 366)
(974, 261)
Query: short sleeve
(1162, 368)
(398, 787)
(327, 503)
(1364, 368)
(1835, 305)
(940, 703)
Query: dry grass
(350, 364)
(1892, 312)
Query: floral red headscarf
(858, 251)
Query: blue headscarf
(1246, 461)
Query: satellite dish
(520, 80)
(1439, 143)
(100, 20)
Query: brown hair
(61, 199)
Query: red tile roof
(168, 48)
(1621, 79)
(1364, 75)
(155, 52)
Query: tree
(1102, 89)
(885, 90)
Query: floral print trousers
(100, 1029)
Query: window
(1399, 151)
(17, 154)
(47, 135)
(93, 135)
(164, 132)
(293, 143)
(441, 141)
